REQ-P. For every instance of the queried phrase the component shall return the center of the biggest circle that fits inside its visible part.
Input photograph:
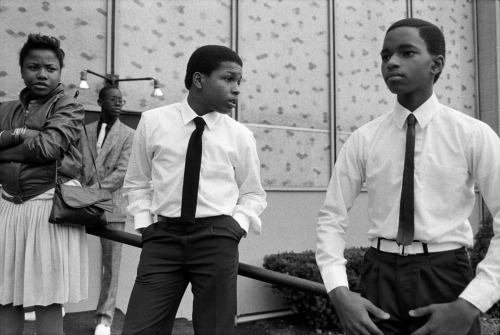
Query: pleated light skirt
(40, 263)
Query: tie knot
(411, 119)
(200, 123)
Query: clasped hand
(444, 319)
(354, 313)
(352, 310)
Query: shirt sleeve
(345, 184)
(484, 157)
(252, 197)
(137, 184)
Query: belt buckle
(401, 250)
(17, 199)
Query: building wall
(311, 78)
(311, 73)
(489, 62)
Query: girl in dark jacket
(41, 264)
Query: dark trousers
(111, 260)
(174, 254)
(398, 284)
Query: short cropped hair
(430, 33)
(208, 58)
(37, 42)
(105, 89)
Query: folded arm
(11, 143)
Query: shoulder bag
(81, 206)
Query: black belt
(165, 219)
(205, 220)
(17, 199)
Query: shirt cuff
(243, 220)
(480, 294)
(334, 276)
(142, 220)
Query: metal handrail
(245, 270)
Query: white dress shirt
(100, 138)
(453, 152)
(230, 168)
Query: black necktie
(192, 172)
(406, 211)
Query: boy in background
(206, 193)
(420, 163)
(110, 141)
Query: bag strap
(88, 144)
(91, 155)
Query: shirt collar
(423, 114)
(188, 115)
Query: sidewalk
(82, 323)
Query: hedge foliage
(317, 310)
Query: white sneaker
(30, 316)
(102, 330)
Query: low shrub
(481, 243)
(317, 310)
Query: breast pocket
(441, 187)
(217, 181)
